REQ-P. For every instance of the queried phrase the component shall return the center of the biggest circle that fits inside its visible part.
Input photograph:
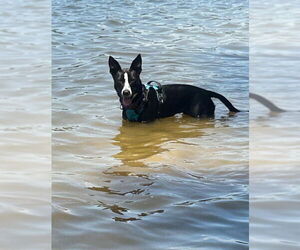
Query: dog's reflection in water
(138, 142)
(131, 181)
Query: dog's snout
(126, 93)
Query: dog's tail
(266, 103)
(224, 100)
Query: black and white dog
(143, 104)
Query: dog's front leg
(151, 107)
(124, 116)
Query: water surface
(176, 183)
(25, 125)
(274, 138)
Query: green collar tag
(132, 115)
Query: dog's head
(127, 82)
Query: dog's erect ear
(114, 66)
(136, 64)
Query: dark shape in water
(266, 103)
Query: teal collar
(132, 115)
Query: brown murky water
(134, 189)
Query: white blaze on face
(126, 84)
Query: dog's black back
(142, 105)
